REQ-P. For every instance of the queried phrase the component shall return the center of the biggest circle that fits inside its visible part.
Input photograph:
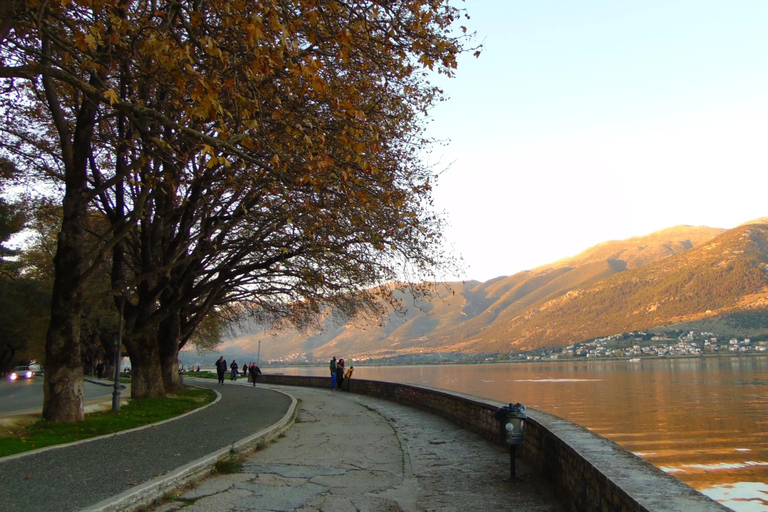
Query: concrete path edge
(148, 492)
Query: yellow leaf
(111, 96)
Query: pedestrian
(233, 367)
(221, 369)
(254, 372)
(333, 373)
(339, 373)
(100, 369)
(245, 371)
(348, 376)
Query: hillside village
(639, 344)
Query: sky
(583, 122)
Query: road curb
(146, 493)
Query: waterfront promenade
(348, 452)
(345, 452)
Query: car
(22, 372)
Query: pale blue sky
(588, 121)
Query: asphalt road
(24, 396)
(76, 476)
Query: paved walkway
(78, 476)
(345, 452)
(350, 453)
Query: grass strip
(205, 375)
(136, 413)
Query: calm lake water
(704, 421)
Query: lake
(704, 421)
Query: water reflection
(704, 421)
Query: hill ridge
(678, 274)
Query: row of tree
(215, 156)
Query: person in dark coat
(221, 369)
(255, 370)
(100, 369)
(339, 373)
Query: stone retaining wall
(589, 472)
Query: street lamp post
(116, 392)
(511, 420)
(258, 356)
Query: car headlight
(14, 376)
(29, 375)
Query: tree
(298, 121)
(35, 265)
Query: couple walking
(338, 377)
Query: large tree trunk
(63, 384)
(168, 340)
(146, 372)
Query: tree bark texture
(168, 340)
(63, 385)
(146, 372)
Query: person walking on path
(339, 373)
(245, 371)
(221, 369)
(348, 376)
(100, 369)
(254, 372)
(233, 366)
(333, 373)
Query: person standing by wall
(255, 370)
(333, 373)
(348, 376)
(221, 369)
(339, 373)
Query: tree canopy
(266, 153)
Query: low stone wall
(589, 472)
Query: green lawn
(204, 375)
(135, 413)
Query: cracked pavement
(355, 453)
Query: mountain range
(691, 277)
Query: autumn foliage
(259, 152)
